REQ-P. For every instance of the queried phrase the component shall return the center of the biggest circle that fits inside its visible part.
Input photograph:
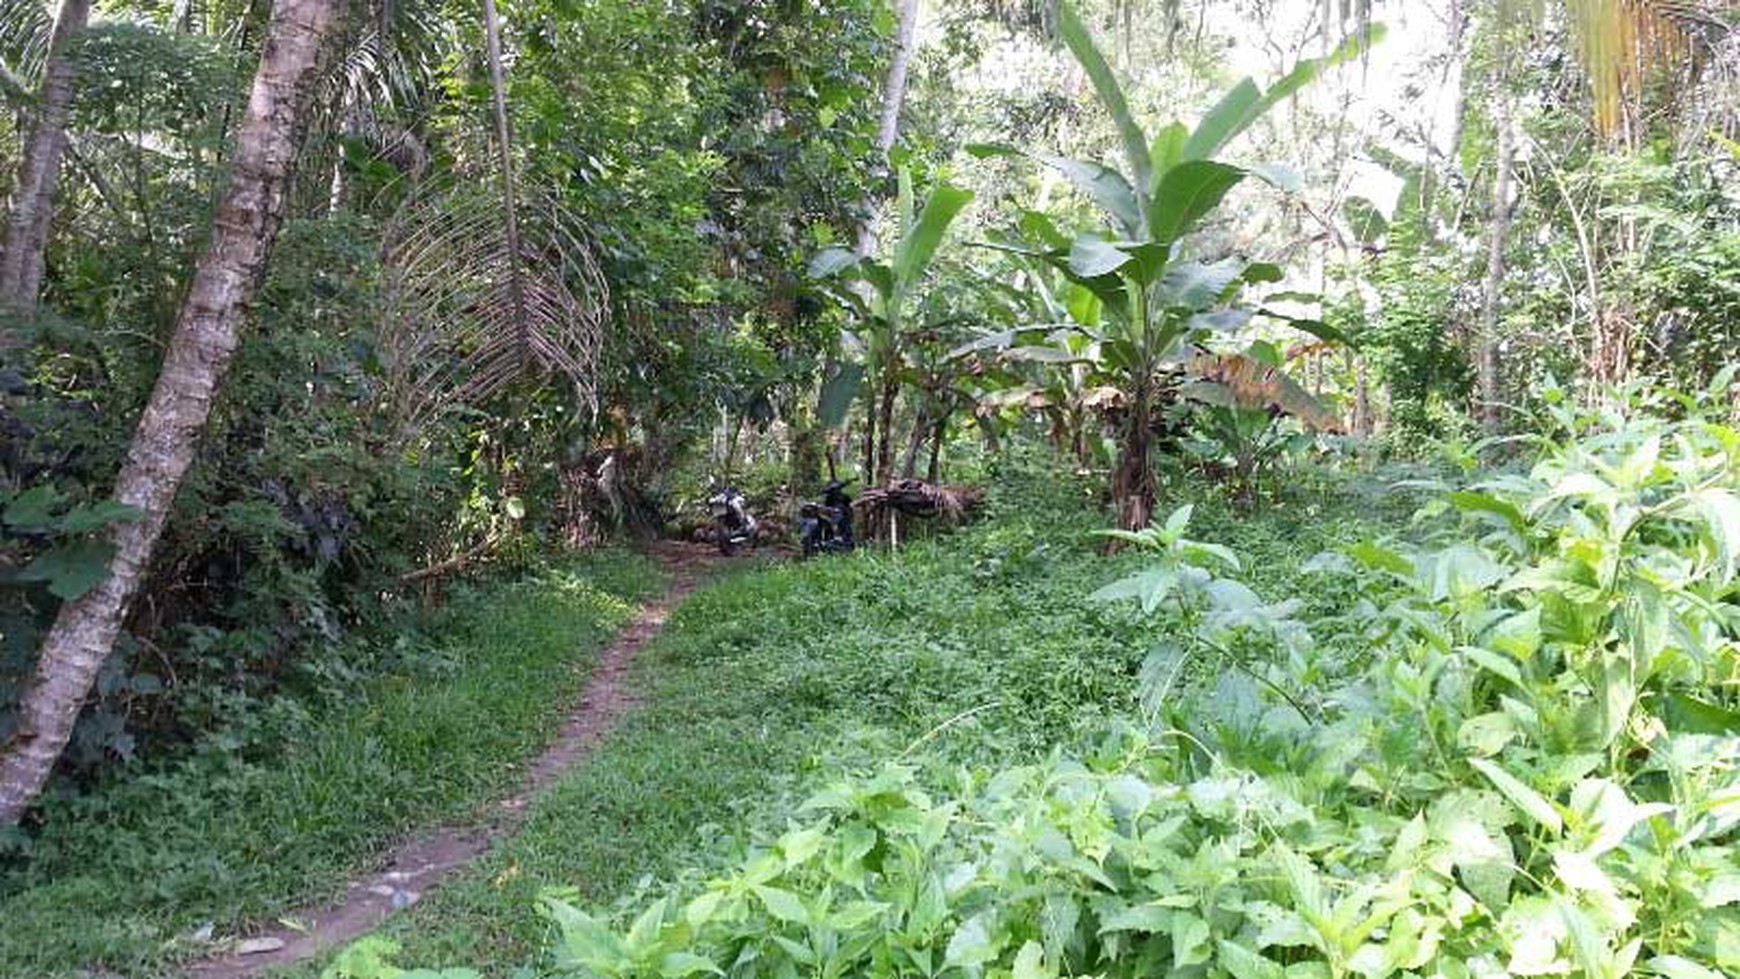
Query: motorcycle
(826, 527)
(733, 524)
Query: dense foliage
(329, 329)
(1523, 769)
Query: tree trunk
(915, 443)
(933, 472)
(1133, 488)
(885, 428)
(26, 234)
(893, 96)
(1487, 344)
(224, 285)
(869, 475)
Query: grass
(982, 647)
(237, 833)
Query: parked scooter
(733, 525)
(826, 527)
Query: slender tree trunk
(933, 472)
(885, 428)
(26, 234)
(893, 97)
(869, 476)
(207, 331)
(915, 443)
(1491, 292)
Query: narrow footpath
(422, 861)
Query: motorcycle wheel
(726, 546)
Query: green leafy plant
(68, 558)
(1157, 302)
(882, 310)
(1529, 775)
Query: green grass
(767, 680)
(242, 833)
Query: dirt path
(421, 862)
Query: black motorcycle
(826, 527)
(733, 524)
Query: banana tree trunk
(885, 429)
(938, 433)
(207, 331)
(1133, 487)
(27, 224)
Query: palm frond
(1626, 45)
(25, 26)
(455, 332)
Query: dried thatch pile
(917, 498)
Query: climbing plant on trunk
(207, 331)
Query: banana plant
(883, 301)
(1158, 303)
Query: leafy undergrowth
(416, 731)
(977, 648)
(1513, 754)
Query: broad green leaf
(782, 904)
(71, 569)
(677, 965)
(920, 242)
(1190, 940)
(1528, 800)
(1517, 635)
(1242, 963)
(839, 390)
(33, 510)
(1380, 558)
(1493, 663)
(1104, 186)
(1235, 111)
(832, 261)
(584, 940)
(84, 519)
(1091, 256)
(1473, 501)
(972, 944)
(1081, 44)
(1188, 193)
(1030, 963)
(1676, 967)
(1720, 510)
(1197, 285)
(1487, 734)
(1167, 150)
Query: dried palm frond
(467, 316)
(1631, 48)
(1239, 381)
(24, 30)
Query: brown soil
(421, 862)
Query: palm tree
(244, 228)
(25, 237)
